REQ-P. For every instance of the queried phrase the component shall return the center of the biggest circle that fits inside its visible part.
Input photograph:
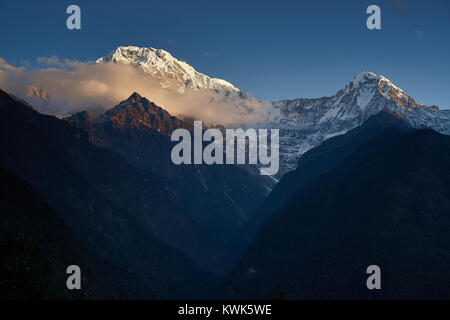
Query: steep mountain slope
(320, 160)
(41, 247)
(219, 198)
(387, 204)
(171, 72)
(305, 123)
(99, 197)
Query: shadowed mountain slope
(37, 248)
(322, 159)
(386, 204)
(219, 198)
(98, 196)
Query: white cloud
(74, 86)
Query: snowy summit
(169, 70)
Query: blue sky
(271, 49)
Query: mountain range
(363, 180)
(304, 123)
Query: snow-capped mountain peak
(368, 78)
(306, 123)
(369, 82)
(364, 76)
(171, 72)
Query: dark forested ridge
(97, 195)
(37, 247)
(320, 160)
(386, 204)
(219, 198)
